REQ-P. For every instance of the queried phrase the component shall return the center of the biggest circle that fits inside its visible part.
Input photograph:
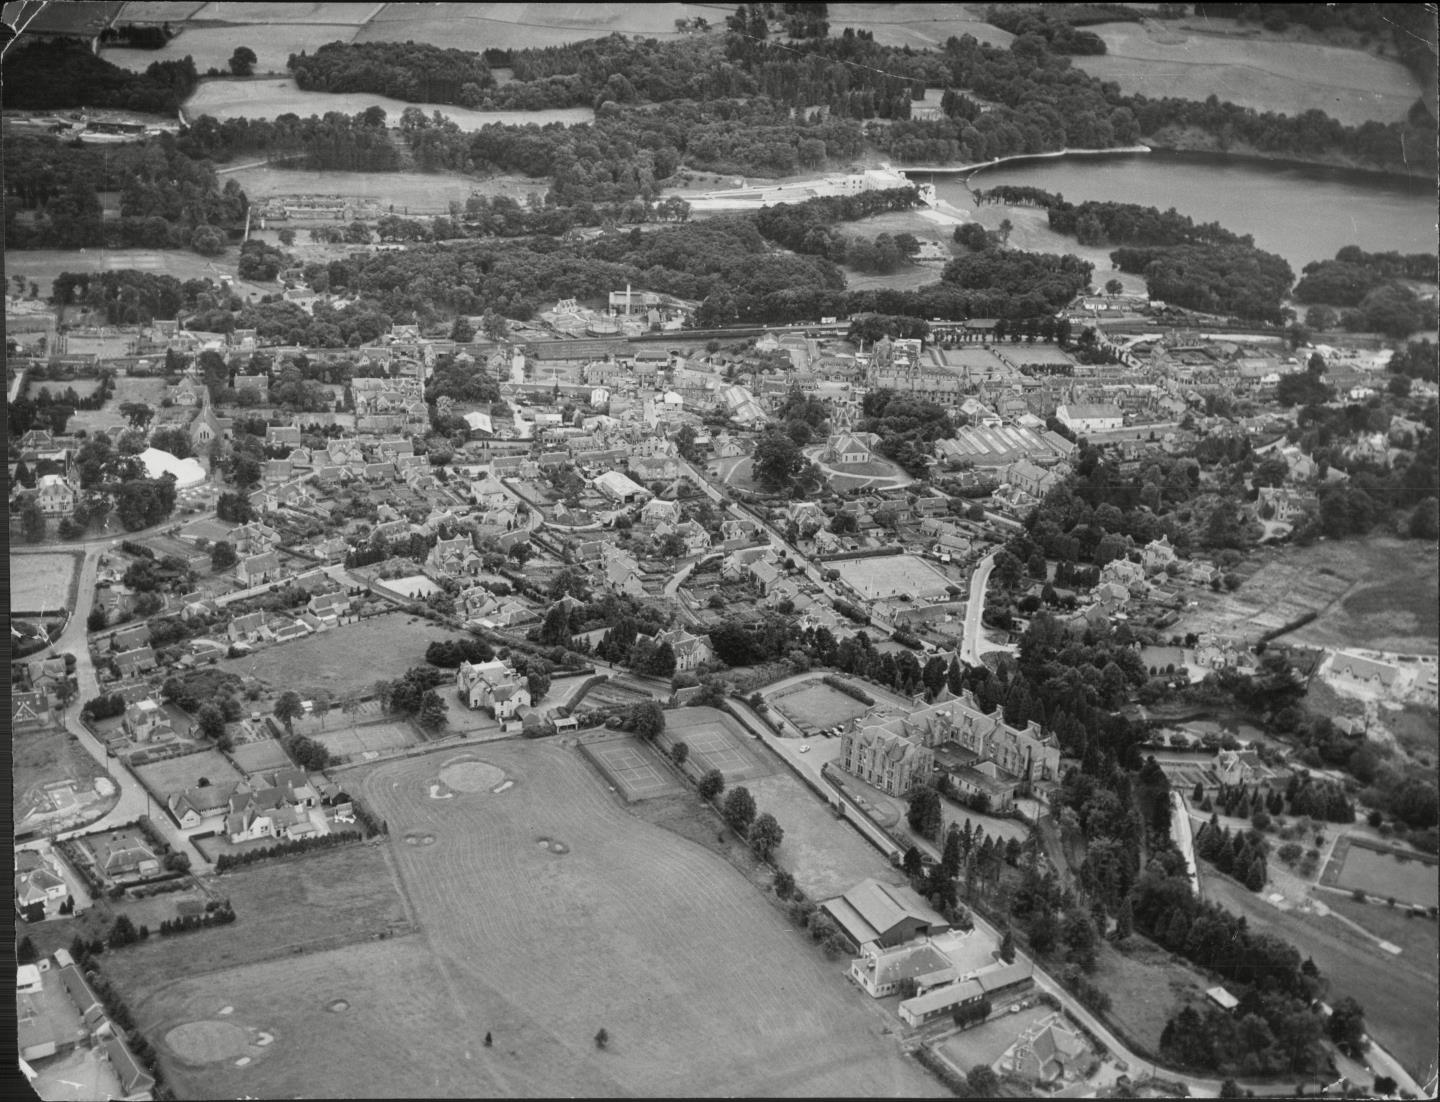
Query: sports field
(417, 191)
(275, 96)
(892, 575)
(814, 706)
(260, 756)
(716, 742)
(353, 741)
(1383, 875)
(1255, 70)
(634, 767)
(42, 582)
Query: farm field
(44, 266)
(518, 26)
(211, 46)
(591, 918)
(816, 706)
(1382, 594)
(272, 97)
(420, 191)
(826, 856)
(308, 11)
(43, 582)
(1397, 992)
(319, 901)
(923, 26)
(1254, 70)
(341, 661)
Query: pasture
(211, 47)
(633, 767)
(43, 582)
(814, 706)
(271, 97)
(177, 774)
(1382, 594)
(1397, 992)
(716, 742)
(891, 575)
(1252, 69)
(342, 661)
(922, 26)
(825, 856)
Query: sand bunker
(207, 1042)
(471, 776)
(337, 1006)
(416, 838)
(552, 845)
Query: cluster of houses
(283, 805)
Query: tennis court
(633, 767)
(260, 756)
(714, 743)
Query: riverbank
(1194, 140)
(1019, 158)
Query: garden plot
(174, 775)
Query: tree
(711, 784)
(122, 932)
(25, 952)
(222, 556)
(32, 521)
(602, 1038)
(646, 719)
(211, 721)
(1347, 1025)
(433, 714)
(765, 835)
(1007, 948)
(1231, 1089)
(242, 61)
(288, 709)
(680, 753)
(784, 884)
(739, 809)
(1113, 287)
(982, 1081)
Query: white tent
(187, 472)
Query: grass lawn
(318, 901)
(43, 582)
(826, 856)
(349, 659)
(1146, 988)
(986, 1043)
(1418, 938)
(178, 774)
(1385, 876)
(817, 707)
(1397, 992)
(417, 190)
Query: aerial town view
(766, 549)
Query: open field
(986, 1043)
(178, 774)
(343, 660)
(909, 278)
(419, 191)
(923, 26)
(1146, 988)
(43, 582)
(1385, 876)
(826, 856)
(622, 925)
(520, 26)
(1380, 593)
(815, 706)
(1418, 938)
(889, 575)
(1397, 992)
(716, 742)
(319, 901)
(1253, 69)
(272, 97)
(308, 11)
(44, 266)
(211, 46)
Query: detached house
(146, 721)
(132, 663)
(257, 569)
(249, 628)
(494, 686)
(328, 607)
(690, 650)
(193, 806)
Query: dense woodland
(46, 75)
(414, 72)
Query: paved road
(975, 608)
(134, 800)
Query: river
(1302, 213)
